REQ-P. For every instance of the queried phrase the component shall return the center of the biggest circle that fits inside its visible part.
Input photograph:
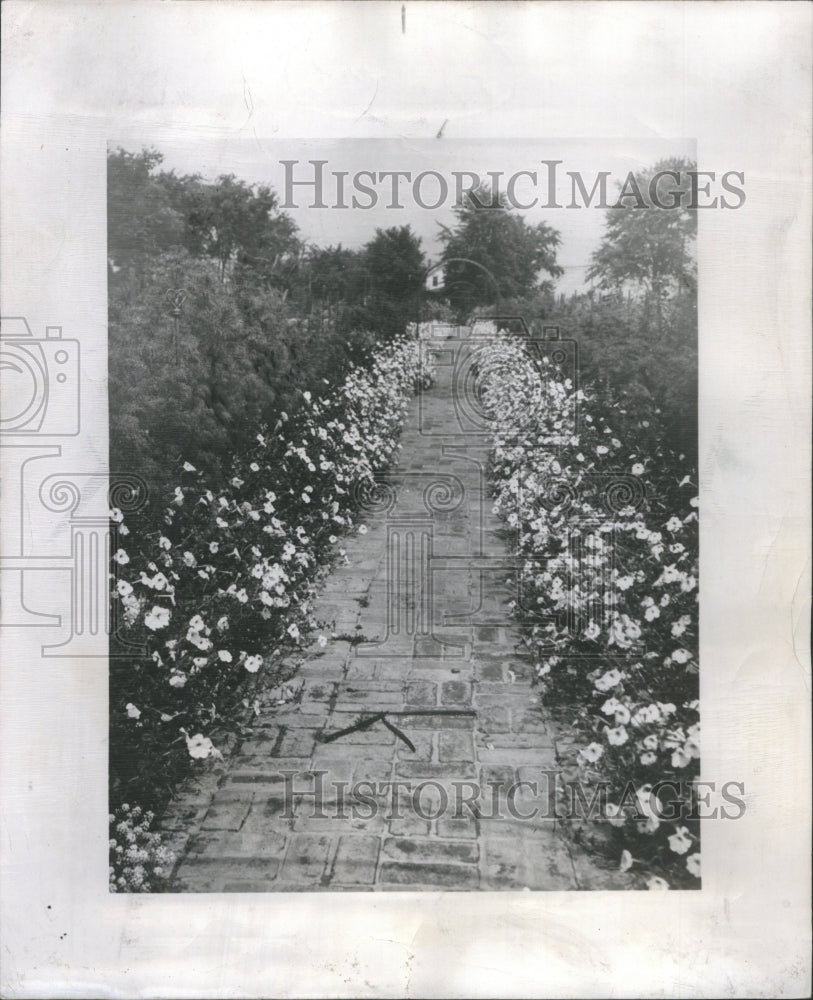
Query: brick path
(445, 645)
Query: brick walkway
(427, 589)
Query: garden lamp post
(177, 297)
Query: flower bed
(608, 536)
(223, 589)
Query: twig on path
(370, 720)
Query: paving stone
(539, 756)
(533, 861)
(180, 816)
(378, 772)
(347, 819)
(427, 771)
(407, 823)
(430, 849)
(455, 746)
(227, 812)
(489, 671)
(297, 743)
(494, 719)
(422, 694)
(457, 827)
(454, 693)
(356, 859)
(500, 775)
(306, 858)
(431, 876)
(238, 844)
(208, 875)
(423, 741)
(435, 722)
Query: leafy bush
(223, 589)
(607, 525)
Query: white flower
(608, 680)
(165, 543)
(178, 496)
(617, 737)
(124, 588)
(626, 861)
(177, 680)
(224, 655)
(679, 628)
(592, 631)
(197, 623)
(200, 746)
(648, 758)
(332, 539)
(121, 557)
(236, 482)
(132, 711)
(674, 524)
(362, 529)
(213, 547)
(253, 664)
(657, 883)
(681, 655)
(652, 612)
(116, 515)
(622, 715)
(649, 825)
(157, 618)
(693, 864)
(189, 559)
(680, 841)
(614, 815)
(322, 641)
(293, 631)
(306, 498)
(188, 467)
(254, 467)
(681, 757)
(222, 623)
(602, 450)
(637, 469)
(592, 752)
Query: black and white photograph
(412, 567)
(406, 493)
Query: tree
(396, 267)
(647, 247)
(240, 225)
(141, 217)
(492, 253)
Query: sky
(259, 161)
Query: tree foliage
(651, 249)
(493, 254)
